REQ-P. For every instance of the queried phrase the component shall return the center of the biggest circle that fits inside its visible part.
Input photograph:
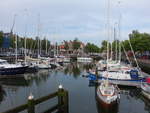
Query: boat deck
(124, 83)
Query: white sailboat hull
(107, 99)
(108, 93)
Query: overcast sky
(67, 19)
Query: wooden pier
(61, 107)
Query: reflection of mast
(19, 81)
(2, 93)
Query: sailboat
(108, 93)
(102, 107)
(40, 62)
(57, 61)
(117, 71)
(146, 88)
(31, 67)
(12, 69)
(43, 63)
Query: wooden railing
(62, 106)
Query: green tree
(91, 48)
(1, 38)
(12, 41)
(43, 44)
(139, 41)
(104, 46)
(66, 45)
(76, 44)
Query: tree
(43, 44)
(139, 41)
(12, 41)
(91, 48)
(134, 34)
(1, 38)
(66, 45)
(76, 44)
(104, 45)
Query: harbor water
(82, 96)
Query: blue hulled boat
(11, 69)
(131, 78)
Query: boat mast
(40, 45)
(25, 43)
(16, 46)
(111, 45)
(115, 43)
(119, 42)
(25, 52)
(108, 31)
(25, 40)
(126, 53)
(14, 20)
(119, 33)
(134, 54)
(57, 49)
(38, 30)
(46, 45)
(111, 51)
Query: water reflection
(73, 69)
(88, 66)
(38, 78)
(129, 96)
(130, 92)
(2, 93)
(18, 81)
(106, 109)
(146, 103)
(135, 95)
(46, 81)
(76, 69)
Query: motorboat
(11, 69)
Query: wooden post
(66, 102)
(60, 98)
(31, 104)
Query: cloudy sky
(66, 19)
